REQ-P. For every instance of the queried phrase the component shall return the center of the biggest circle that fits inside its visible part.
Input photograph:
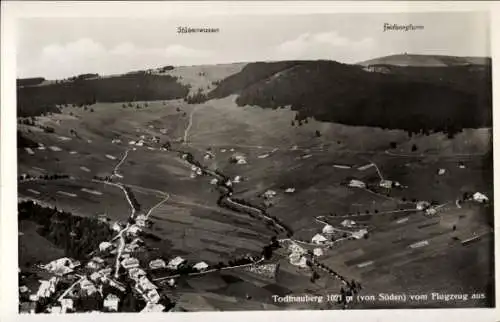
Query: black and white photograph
(254, 162)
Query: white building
(386, 184)
(328, 229)
(298, 260)
(422, 205)
(360, 233)
(357, 184)
(176, 262)
(348, 223)
(105, 246)
(290, 190)
(66, 304)
(116, 227)
(136, 273)
(134, 230)
(479, 197)
(431, 211)
(319, 239)
(171, 282)
(157, 263)
(269, 194)
(130, 262)
(318, 252)
(151, 308)
(111, 302)
(214, 181)
(61, 266)
(237, 179)
(441, 172)
(201, 266)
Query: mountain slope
(329, 91)
(426, 60)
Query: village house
(357, 184)
(151, 308)
(157, 264)
(290, 190)
(111, 302)
(441, 172)
(348, 223)
(46, 288)
(105, 246)
(359, 234)
(145, 284)
(479, 197)
(66, 304)
(422, 205)
(152, 296)
(386, 184)
(269, 194)
(176, 262)
(237, 179)
(318, 252)
(298, 260)
(87, 286)
(430, 211)
(119, 286)
(134, 230)
(130, 262)
(319, 239)
(201, 266)
(136, 273)
(61, 266)
(328, 229)
(214, 181)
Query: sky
(62, 47)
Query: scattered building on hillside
(295, 248)
(157, 264)
(66, 304)
(151, 308)
(134, 230)
(116, 227)
(422, 205)
(461, 165)
(441, 171)
(214, 181)
(130, 262)
(61, 266)
(176, 262)
(386, 184)
(319, 239)
(141, 220)
(348, 223)
(46, 288)
(87, 286)
(359, 234)
(269, 194)
(111, 302)
(318, 252)
(479, 197)
(201, 266)
(290, 190)
(105, 246)
(171, 282)
(357, 184)
(237, 179)
(328, 229)
(430, 211)
(298, 260)
(136, 273)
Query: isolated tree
(414, 148)
(178, 109)
(393, 145)
(91, 109)
(293, 123)
(318, 133)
